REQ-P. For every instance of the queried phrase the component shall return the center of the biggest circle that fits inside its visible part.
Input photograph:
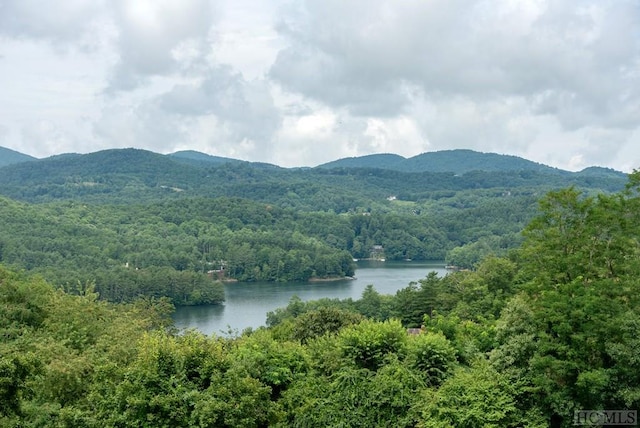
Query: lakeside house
(377, 252)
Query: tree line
(523, 340)
(180, 248)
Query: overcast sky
(300, 83)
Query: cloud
(223, 114)
(244, 111)
(61, 23)
(54, 137)
(142, 125)
(582, 59)
(147, 37)
(306, 82)
(489, 75)
(317, 136)
(627, 157)
(158, 37)
(35, 19)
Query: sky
(304, 82)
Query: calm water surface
(247, 304)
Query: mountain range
(457, 161)
(8, 157)
(135, 176)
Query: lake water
(247, 304)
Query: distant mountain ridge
(601, 171)
(192, 156)
(457, 161)
(8, 157)
(135, 175)
(382, 161)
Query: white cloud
(399, 135)
(306, 82)
(52, 136)
(61, 23)
(143, 126)
(154, 35)
(244, 111)
(488, 73)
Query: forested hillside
(167, 249)
(522, 340)
(126, 175)
(456, 161)
(124, 248)
(8, 157)
(133, 222)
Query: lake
(247, 304)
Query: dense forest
(69, 242)
(523, 340)
(133, 223)
(130, 175)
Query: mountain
(192, 156)
(462, 161)
(63, 155)
(598, 171)
(200, 159)
(108, 172)
(139, 176)
(8, 157)
(454, 161)
(382, 161)
(111, 161)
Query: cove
(247, 304)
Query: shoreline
(331, 279)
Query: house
(377, 252)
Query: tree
(412, 303)
(373, 305)
(565, 334)
(14, 371)
(367, 344)
(432, 355)
(478, 396)
(322, 321)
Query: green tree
(315, 323)
(412, 303)
(368, 343)
(565, 334)
(373, 305)
(478, 396)
(432, 355)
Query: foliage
(367, 345)
(433, 355)
(354, 397)
(566, 336)
(374, 305)
(478, 396)
(523, 339)
(165, 249)
(130, 175)
(322, 321)
(54, 345)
